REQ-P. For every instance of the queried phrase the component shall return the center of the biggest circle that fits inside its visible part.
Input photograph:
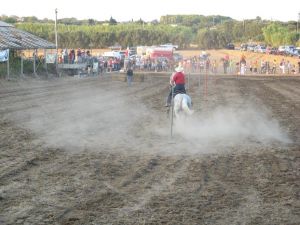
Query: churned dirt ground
(95, 151)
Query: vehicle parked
(155, 52)
(170, 45)
(260, 49)
(250, 47)
(281, 49)
(290, 49)
(230, 46)
(286, 50)
(273, 51)
(296, 52)
(244, 47)
(132, 51)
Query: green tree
(112, 21)
(276, 34)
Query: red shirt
(178, 78)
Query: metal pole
(172, 112)
(56, 43)
(298, 23)
(7, 68)
(34, 62)
(205, 86)
(22, 65)
(188, 81)
(45, 62)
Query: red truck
(157, 52)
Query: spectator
(214, 66)
(289, 67)
(282, 66)
(262, 66)
(293, 69)
(243, 65)
(225, 63)
(72, 56)
(274, 66)
(129, 76)
(65, 56)
(255, 67)
(251, 67)
(231, 66)
(79, 55)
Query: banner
(4, 55)
(50, 58)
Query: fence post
(172, 112)
(22, 65)
(7, 76)
(188, 81)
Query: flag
(4, 55)
(50, 58)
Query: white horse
(182, 105)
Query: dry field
(95, 151)
(236, 55)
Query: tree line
(207, 32)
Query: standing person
(214, 66)
(65, 56)
(251, 67)
(177, 83)
(78, 54)
(72, 56)
(288, 66)
(262, 66)
(282, 66)
(274, 66)
(243, 65)
(129, 76)
(255, 66)
(226, 63)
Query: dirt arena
(95, 151)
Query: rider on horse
(177, 82)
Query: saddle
(178, 92)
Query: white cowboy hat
(179, 69)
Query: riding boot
(169, 100)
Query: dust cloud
(116, 118)
(228, 127)
(82, 119)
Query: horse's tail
(182, 103)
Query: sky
(148, 10)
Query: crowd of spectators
(261, 66)
(195, 64)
